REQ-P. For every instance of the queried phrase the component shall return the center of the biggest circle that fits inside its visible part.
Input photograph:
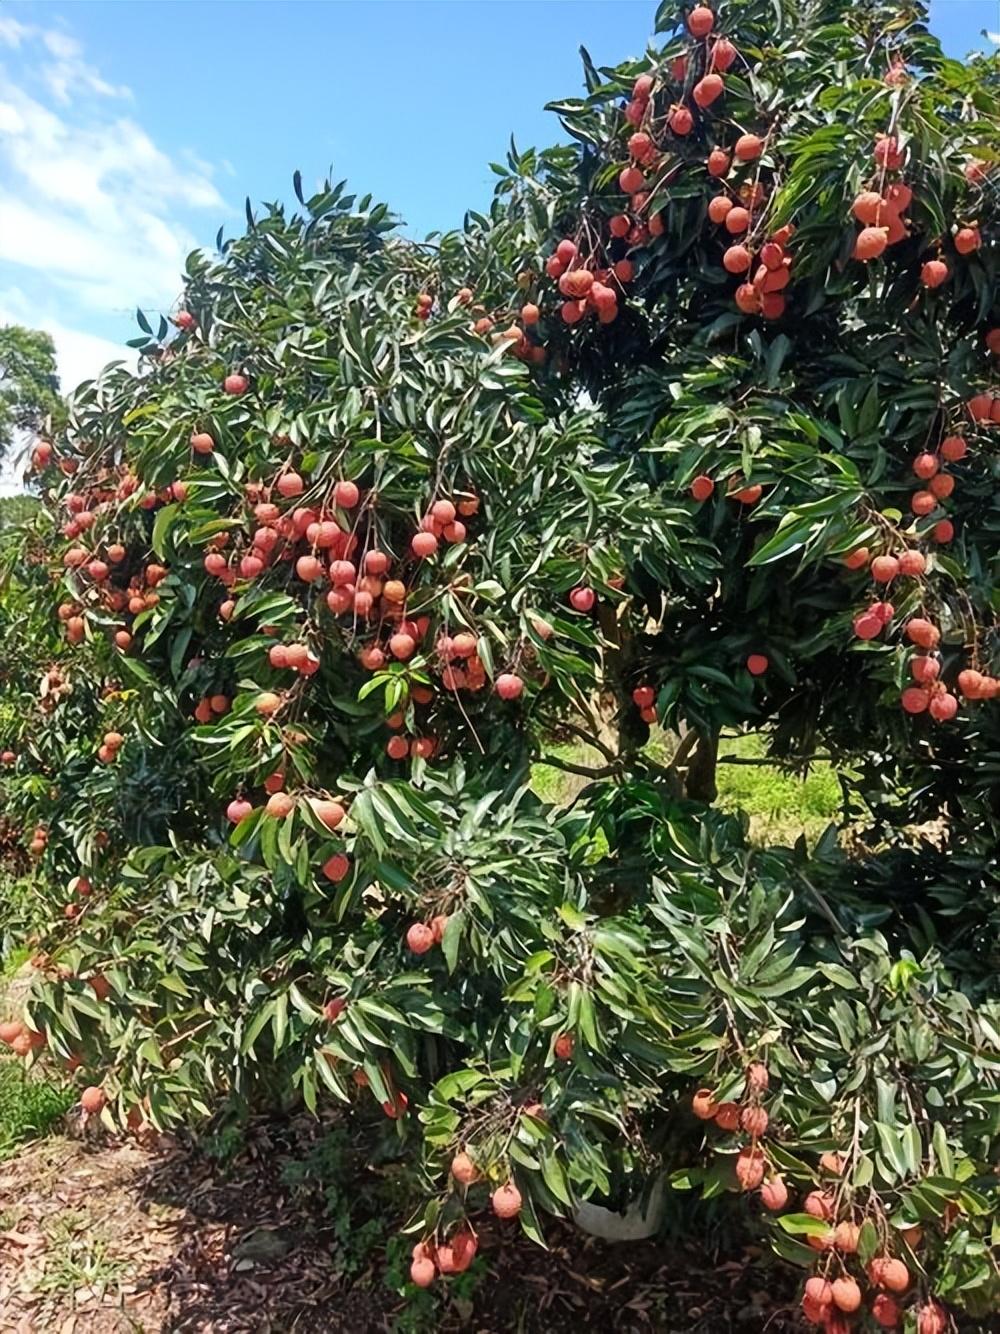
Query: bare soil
(101, 1237)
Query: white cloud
(12, 33)
(69, 72)
(93, 213)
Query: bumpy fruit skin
(681, 121)
(464, 1170)
(846, 1294)
(707, 90)
(884, 568)
(750, 1167)
(758, 1077)
(943, 708)
(931, 1319)
(700, 21)
(723, 54)
(915, 700)
(423, 545)
(92, 1100)
(748, 147)
(818, 1205)
(967, 239)
(563, 1046)
(922, 633)
(509, 686)
(774, 1194)
(934, 273)
(845, 1237)
(704, 1105)
(280, 804)
(871, 243)
(754, 1120)
(727, 1116)
(419, 938)
(912, 563)
(423, 1272)
(336, 868)
(885, 1312)
(887, 1272)
(819, 1290)
(757, 664)
(868, 207)
(506, 1201)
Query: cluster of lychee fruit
(585, 285)
(750, 1117)
(880, 211)
(21, 1039)
(431, 1258)
(423, 936)
(833, 1296)
(453, 1256)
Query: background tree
(29, 385)
(383, 518)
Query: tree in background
(696, 429)
(29, 385)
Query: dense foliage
(379, 519)
(29, 384)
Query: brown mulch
(103, 1238)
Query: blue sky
(130, 131)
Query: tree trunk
(699, 778)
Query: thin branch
(773, 762)
(558, 724)
(605, 770)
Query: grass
(29, 1103)
(14, 962)
(77, 1257)
(29, 1106)
(780, 805)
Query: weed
(28, 1106)
(332, 1167)
(77, 1257)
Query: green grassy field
(781, 806)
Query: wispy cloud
(95, 217)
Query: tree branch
(583, 734)
(772, 762)
(605, 770)
(685, 746)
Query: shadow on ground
(99, 1238)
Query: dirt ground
(103, 1238)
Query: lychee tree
(693, 430)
